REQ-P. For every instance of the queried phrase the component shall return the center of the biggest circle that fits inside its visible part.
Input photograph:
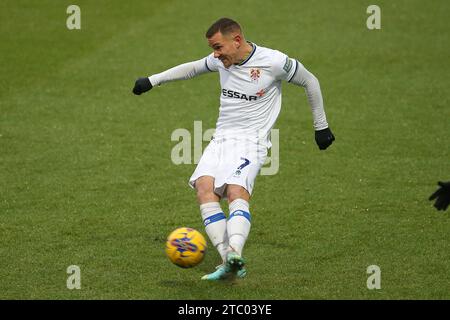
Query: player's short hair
(225, 26)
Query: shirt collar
(250, 55)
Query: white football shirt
(250, 98)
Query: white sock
(216, 226)
(238, 225)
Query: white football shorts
(231, 161)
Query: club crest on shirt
(254, 74)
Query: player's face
(225, 48)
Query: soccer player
(250, 101)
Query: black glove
(142, 85)
(443, 196)
(324, 138)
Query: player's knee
(202, 193)
(237, 192)
(206, 194)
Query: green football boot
(221, 273)
(236, 264)
(241, 273)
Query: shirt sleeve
(181, 72)
(211, 63)
(283, 67)
(288, 69)
(303, 78)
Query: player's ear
(237, 39)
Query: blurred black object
(442, 196)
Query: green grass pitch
(86, 176)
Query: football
(186, 247)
